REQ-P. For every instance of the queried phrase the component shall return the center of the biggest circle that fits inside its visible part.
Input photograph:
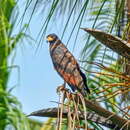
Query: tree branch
(120, 122)
(52, 112)
(115, 43)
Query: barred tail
(85, 89)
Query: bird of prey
(66, 65)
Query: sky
(36, 81)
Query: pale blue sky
(38, 79)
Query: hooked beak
(49, 39)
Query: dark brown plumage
(66, 65)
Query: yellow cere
(50, 39)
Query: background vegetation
(111, 16)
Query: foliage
(107, 15)
(11, 115)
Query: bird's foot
(61, 88)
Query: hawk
(66, 65)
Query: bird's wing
(67, 66)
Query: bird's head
(51, 38)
